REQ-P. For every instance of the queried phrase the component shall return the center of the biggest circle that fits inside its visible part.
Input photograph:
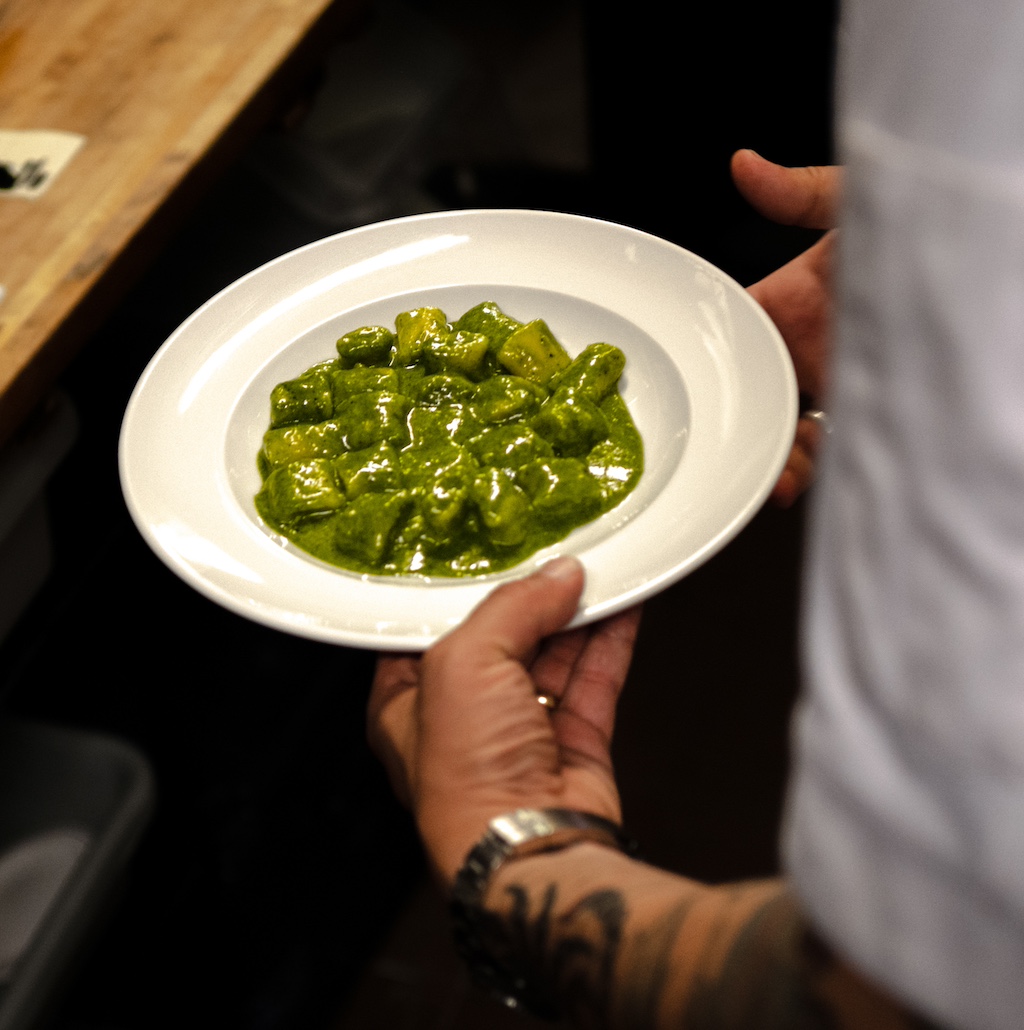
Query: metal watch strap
(526, 831)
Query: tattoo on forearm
(583, 963)
(649, 969)
(575, 951)
(757, 964)
(762, 981)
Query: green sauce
(444, 448)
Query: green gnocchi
(440, 448)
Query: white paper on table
(30, 159)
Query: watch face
(525, 824)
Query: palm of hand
(799, 300)
(797, 297)
(463, 736)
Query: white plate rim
(393, 258)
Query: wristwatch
(526, 831)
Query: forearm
(622, 944)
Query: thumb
(806, 197)
(512, 620)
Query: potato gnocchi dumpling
(440, 448)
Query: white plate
(708, 380)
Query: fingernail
(563, 567)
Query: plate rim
(418, 640)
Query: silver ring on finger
(819, 417)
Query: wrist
(510, 838)
(449, 832)
(448, 841)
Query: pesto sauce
(444, 448)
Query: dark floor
(278, 884)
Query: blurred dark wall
(673, 92)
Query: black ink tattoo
(759, 984)
(647, 969)
(771, 973)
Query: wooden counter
(166, 93)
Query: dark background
(277, 866)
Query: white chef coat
(904, 830)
